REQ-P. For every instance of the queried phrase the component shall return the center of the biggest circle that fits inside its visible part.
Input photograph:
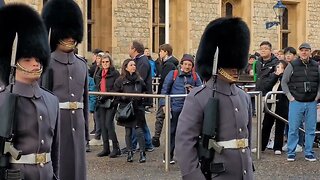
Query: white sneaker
(285, 147)
(277, 152)
(270, 144)
(95, 142)
(298, 148)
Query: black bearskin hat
(32, 37)
(232, 36)
(64, 17)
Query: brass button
(41, 165)
(243, 150)
(42, 141)
(70, 78)
(244, 172)
(40, 117)
(236, 109)
(240, 130)
(73, 112)
(72, 95)
(73, 129)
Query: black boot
(115, 151)
(106, 149)
(155, 141)
(130, 156)
(142, 157)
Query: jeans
(147, 136)
(299, 111)
(301, 134)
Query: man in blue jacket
(179, 81)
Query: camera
(307, 87)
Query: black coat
(131, 84)
(264, 71)
(167, 66)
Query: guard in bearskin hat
(32, 112)
(67, 78)
(216, 131)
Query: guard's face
(186, 66)
(67, 45)
(31, 68)
(105, 63)
(131, 67)
(305, 53)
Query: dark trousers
(97, 126)
(173, 129)
(105, 118)
(159, 122)
(140, 137)
(267, 124)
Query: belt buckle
(41, 158)
(73, 105)
(241, 143)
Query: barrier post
(259, 117)
(167, 125)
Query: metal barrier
(167, 114)
(257, 94)
(258, 99)
(273, 113)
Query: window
(89, 25)
(285, 29)
(229, 10)
(158, 24)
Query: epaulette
(81, 58)
(47, 90)
(198, 89)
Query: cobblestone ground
(269, 167)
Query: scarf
(103, 81)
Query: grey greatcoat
(37, 128)
(67, 78)
(235, 123)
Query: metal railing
(273, 113)
(258, 104)
(167, 114)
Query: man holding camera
(179, 81)
(300, 82)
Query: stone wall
(131, 22)
(313, 24)
(201, 13)
(263, 12)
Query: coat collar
(64, 58)
(27, 90)
(223, 87)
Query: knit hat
(187, 57)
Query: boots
(130, 156)
(115, 151)
(155, 141)
(106, 149)
(142, 157)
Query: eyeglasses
(105, 61)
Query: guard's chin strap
(35, 73)
(68, 44)
(223, 73)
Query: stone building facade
(113, 24)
